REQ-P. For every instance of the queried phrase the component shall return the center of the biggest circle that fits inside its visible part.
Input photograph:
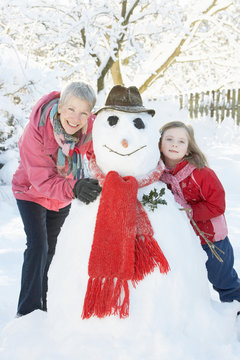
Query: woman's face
(74, 114)
(174, 145)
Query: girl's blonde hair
(195, 155)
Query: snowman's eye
(113, 120)
(138, 123)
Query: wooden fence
(217, 104)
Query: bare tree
(128, 41)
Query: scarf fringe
(148, 255)
(110, 296)
(105, 297)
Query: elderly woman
(49, 176)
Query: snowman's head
(125, 137)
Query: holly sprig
(154, 198)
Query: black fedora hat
(125, 99)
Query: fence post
(196, 105)
(217, 105)
(223, 104)
(212, 104)
(207, 102)
(191, 105)
(233, 103)
(201, 104)
(228, 102)
(238, 107)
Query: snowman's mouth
(111, 150)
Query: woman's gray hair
(80, 90)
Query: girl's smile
(174, 146)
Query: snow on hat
(125, 99)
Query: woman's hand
(87, 190)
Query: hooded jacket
(205, 193)
(36, 178)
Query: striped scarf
(67, 152)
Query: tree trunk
(101, 78)
(116, 73)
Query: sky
(174, 317)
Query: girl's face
(174, 146)
(74, 114)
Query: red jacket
(204, 192)
(37, 178)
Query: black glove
(87, 190)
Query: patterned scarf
(123, 247)
(67, 148)
(174, 181)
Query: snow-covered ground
(221, 144)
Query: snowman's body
(128, 143)
(69, 272)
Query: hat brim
(130, 109)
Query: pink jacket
(37, 178)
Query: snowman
(128, 267)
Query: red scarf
(123, 248)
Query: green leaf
(153, 199)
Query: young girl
(197, 187)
